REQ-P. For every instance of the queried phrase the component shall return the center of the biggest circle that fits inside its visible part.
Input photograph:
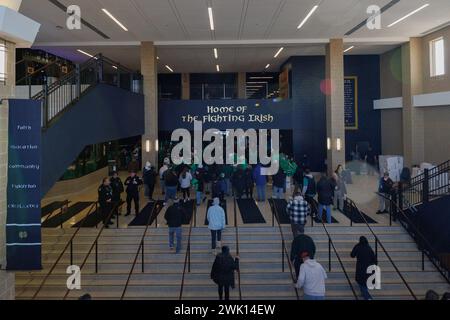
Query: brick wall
(7, 279)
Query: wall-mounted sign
(64, 69)
(351, 103)
(30, 70)
(225, 114)
(23, 226)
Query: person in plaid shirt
(298, 209)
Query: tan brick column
(150, 87)
(185, 86)
(413, 122)
(334, 73)
(7, 279)
(241, 85)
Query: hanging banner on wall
(23, 226)
(351, 103)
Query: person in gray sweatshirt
(311, 278)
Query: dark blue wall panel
(105, 113)
(309, 106)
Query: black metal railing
(424, 244)
(332, 246)
(61, 94)
(237, 248)
(432, 183)
(378, 243)
(116, 208)
(284, 252)
(63, 208)
(141, 249)
(187, 258)
(92, 210)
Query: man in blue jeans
(171, 183)
(174, 217)
(260, 181)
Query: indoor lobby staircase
(96, 102)
(167, 276)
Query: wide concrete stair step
(261, 267)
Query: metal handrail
(331, 245)
(430, 252)
(69, 243)
(187, 258)
(29, 76)
(140, 250)
(237, 248)
(378, 242)
(284, 251)
(64, 204)
(118, 206)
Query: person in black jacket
(222, 272)
(325, 191)
(174, 217)
(105, 196)
(133, 182)
(302, 243)
(365, 257)
(149, 174)
(117, 190)
(279, 183)
(238, 182)
(249, 183)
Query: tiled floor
(362, 191)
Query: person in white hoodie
(216, 223)
(311, 278)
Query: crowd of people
(220, 181)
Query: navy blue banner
(351, 103)
(23, 227)
(225, 114)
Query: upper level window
(437, 57)
(3, 63)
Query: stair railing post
(45, 111)
(189, 257)
(143, 256)
(100, 69)
(78, 81)
(71, 252)
(29, 86)
(329, 254)
(426, 187)
(118, 77)
(423, 260)
(282, 255)
(96, 256)
(376, 248)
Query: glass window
(3, 63)
(437, 57)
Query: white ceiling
(247, 32)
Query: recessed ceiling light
(216, 54)
(169, 68)
(308, 16)
(408, 15)
(157, 58)
(85, 53)
(114, 19)
(217, 68)
(267, 66)
(114, 67)
(348, 49)
(278, 52)
(211, 18)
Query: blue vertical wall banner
(23, 226)
(351, 103)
